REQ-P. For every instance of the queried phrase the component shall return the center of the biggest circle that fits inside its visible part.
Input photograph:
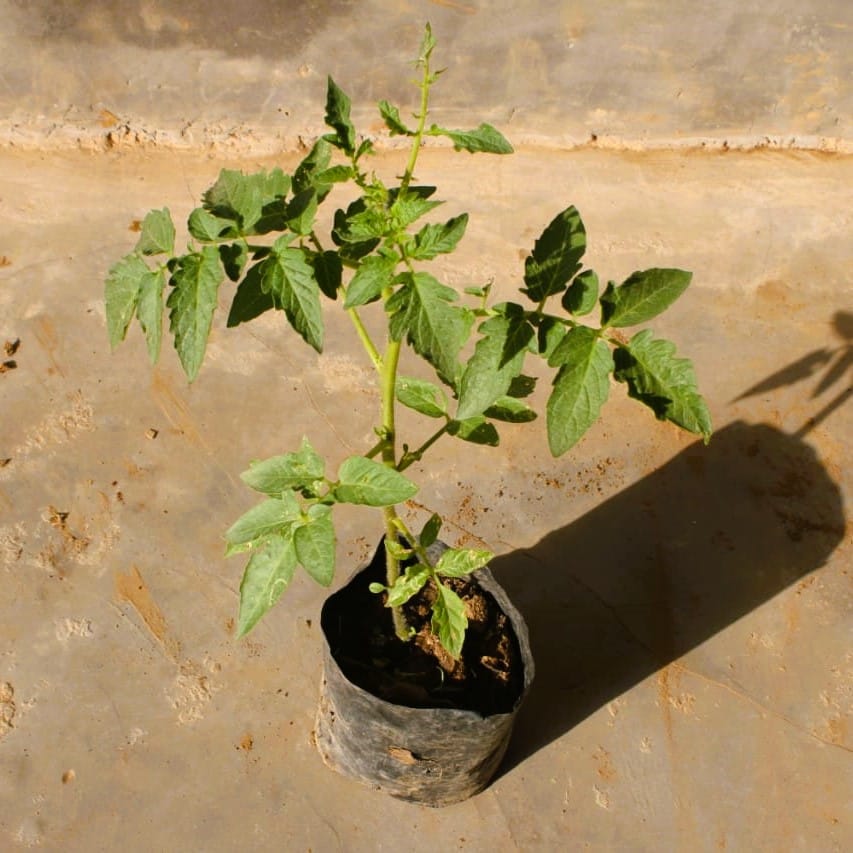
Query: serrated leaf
(237, 197)
(391, 116)
(484, 138)
(510, 410)
(409, 206)
(580, 387)
(663, 382)
(373, 275)
(581, 295)
(268, 572)
(315, 163)
(301, 211)
(278, 474)
(149, 311)
(422, 396)
(357, 230)
(338, 106)
(460, 562)
(408, 584)
(287, 275)
(158, 233)
(438, 239)
(264, 519)
(121, 295)
(422, 310)
(250, 300)
(498, 357)
(363, 481)
(328, 271)
(477, 430)
(430, 531)
(209, 228)
(642, 296)
(556, 255)
(315, 545)
(195, 279)
(449, 622)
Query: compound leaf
(439, 238)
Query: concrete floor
(689, 607)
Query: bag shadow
(663, 566)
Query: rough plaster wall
(250, 76)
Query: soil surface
(487, 678)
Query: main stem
(393, 523)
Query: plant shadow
(661, 567)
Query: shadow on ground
(662, 567)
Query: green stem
(365, 339)
(419, 132)
(415, 455)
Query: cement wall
(250, 76)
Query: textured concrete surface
(690, 607)
(252, 74)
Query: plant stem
(415, 455)
(419, 132)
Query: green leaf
(438, 239)
(663, 382)
(363, 481)
(580, 387)
(288, 276)
(421, 309)
(460, 562)
(391, 116)
(338, 106)
(278, 474)
(357, 230)
(484, 138)
(488, 373)
(308, 172)
(301, 212)
(409, 206)
(373, 275)
(477, 430)
(449, 621)
(264, 519)
(430, 532)
(556, 255)
(121, 295)
(237, 197)
(582, 294)
(549, 335)
(641, 296)
(209, 228)
(511, 410)
(328, 271)
(522, 386)
(396, 550)
(422, 396)
(315, 544)
(250, 300)
(408, 584)
(427, 45)
(268, 572)
(158, 233)
(195, 279)
(149, 311)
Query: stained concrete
(689, 606)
